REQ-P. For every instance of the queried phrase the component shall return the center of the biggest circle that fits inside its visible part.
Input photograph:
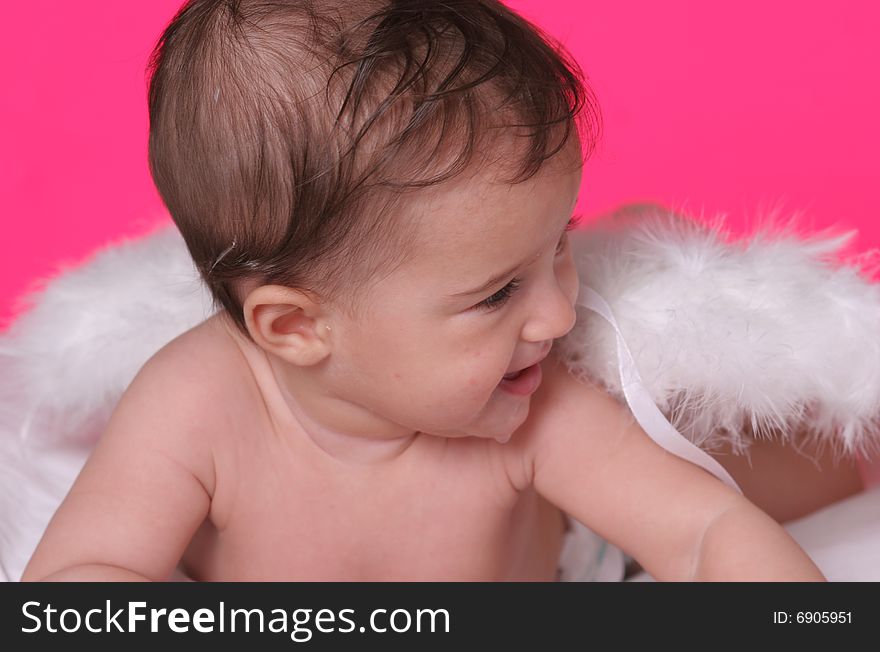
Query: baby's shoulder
(175, 406)
(203, 350)
(564, 408)
(195, 378)
(194, 360)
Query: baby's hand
(584, 452)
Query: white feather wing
(765, 335)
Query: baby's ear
(288, 323)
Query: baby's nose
(554, 317)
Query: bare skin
(278, 507)
(405, 518)
(252, 498)
(385, 445)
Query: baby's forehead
(482, 203)
(465, 229)
(482, 221)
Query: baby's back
(284, 509)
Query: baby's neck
(355, 449)
(342, 435)
(343, 430)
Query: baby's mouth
(514, 375)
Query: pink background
(711, 107)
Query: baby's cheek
(473, 390)
(475, 382)
(482, 376)
(476, 391)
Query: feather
(65, 362)
(764, 336)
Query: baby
(378, 195)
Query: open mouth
(522, 382)
(514, 375)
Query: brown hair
(283, 133)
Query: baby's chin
(503, 439)
(504, 417)
(501, 415)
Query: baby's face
(437, 339)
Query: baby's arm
(143, 492)
(584, 452)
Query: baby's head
(369, 177)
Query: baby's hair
(284, 133)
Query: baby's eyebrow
(488, 284)
(497, 278)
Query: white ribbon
(645, 411)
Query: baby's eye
(572, 223)
(560, 247)
(500, 297)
